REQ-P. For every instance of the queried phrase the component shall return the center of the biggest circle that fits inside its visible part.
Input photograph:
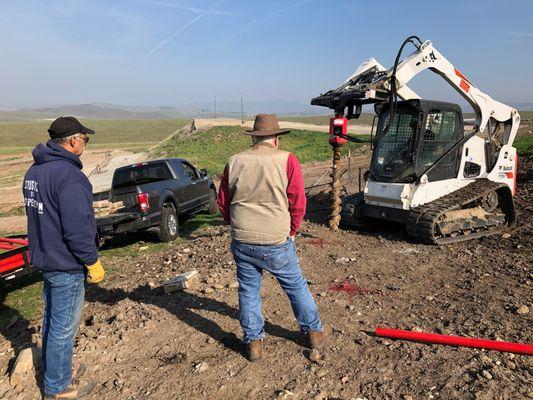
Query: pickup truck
(156, 195)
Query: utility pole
(242, 110)
(215, 107)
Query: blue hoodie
(58, 198)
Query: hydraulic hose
(393, 95)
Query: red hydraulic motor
(338, 125)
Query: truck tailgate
(105, 224)
(127, 195)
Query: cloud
(520, 34)
(200, 10)
(182, 28)
(230, 39)
(175, 34)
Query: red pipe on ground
(455, 340)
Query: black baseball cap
(66, 126)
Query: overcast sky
(170, 52)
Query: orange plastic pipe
(509, 347)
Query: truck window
(141, 174)
(190, 171)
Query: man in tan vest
(262, 196)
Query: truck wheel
(213, 208)
(168, 228)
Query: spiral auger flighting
(335, 210)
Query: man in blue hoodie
(63, 245)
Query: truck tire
(213, 208)
(169, 225)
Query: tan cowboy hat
(266, 125)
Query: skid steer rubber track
(350, 217)
(423, 221)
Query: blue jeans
(282, 262)
(63, 305)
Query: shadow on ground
(183, 305)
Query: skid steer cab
(420, 140)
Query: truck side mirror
(203, 172)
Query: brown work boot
(254, 350)
(76, 390)
(318, 338)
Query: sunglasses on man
(84, 138)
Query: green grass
(131, 244)
(25, 300)
(16, 150)
(13, 212)
(119, 133)
(12, 180)
(212, 148)
(198, 223)
(9, 233)
(524, 145)
(526, 114)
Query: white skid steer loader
(445, 183)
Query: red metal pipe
(455, 340)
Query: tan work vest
(259, 207)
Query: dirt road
(202, 123)
(143, 344)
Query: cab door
(440, 131)
(199, 186)
(185, 193)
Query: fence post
(349, 167)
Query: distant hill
(89, 111)
(198, 109)
(523, 106)
(225, 107)
(105, 111)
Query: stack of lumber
(103, 208)
(186, 280)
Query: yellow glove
(96, 272)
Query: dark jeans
(282, 262)
(63, 305)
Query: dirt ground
(141, 343)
